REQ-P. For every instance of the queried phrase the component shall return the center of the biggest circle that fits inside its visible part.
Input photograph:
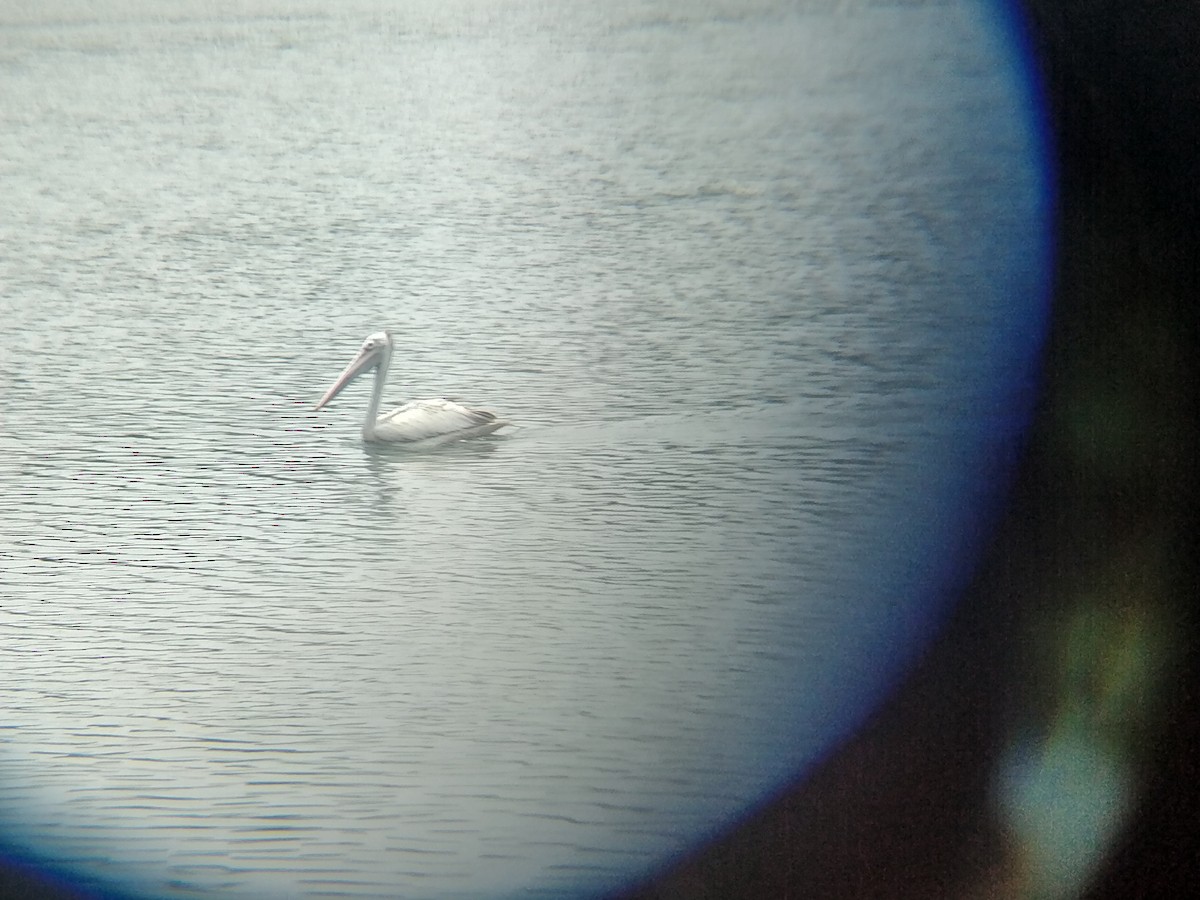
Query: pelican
(419, 422)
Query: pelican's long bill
(367, 357)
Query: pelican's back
(425, 420)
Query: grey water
(760, 286)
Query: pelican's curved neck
(381, 371)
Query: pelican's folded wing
(424, 419)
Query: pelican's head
(375, 351)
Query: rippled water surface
(758, 284)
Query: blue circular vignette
(926, 544)
(970, 487)
(764, 292)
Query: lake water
(759, 284)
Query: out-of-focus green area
(1094, 783)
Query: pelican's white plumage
(418, 422)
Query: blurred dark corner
(1046, 745)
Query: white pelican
(421, 421)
